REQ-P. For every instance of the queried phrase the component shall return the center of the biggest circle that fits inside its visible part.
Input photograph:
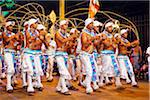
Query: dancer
(97, 27)
(87, 57)
(11, 41)
(24, 47)
(32, 57)
(109, 61)
(125, 64)
(61, 38)
(51, 49)
(72, 53)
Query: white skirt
(32, 62)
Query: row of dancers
(91, 57)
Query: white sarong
(9, 58)
(62, 62)
(32, 62)
(125, 65)
(110, 64)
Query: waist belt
(107, 52)
(34, 52)
(9, 50)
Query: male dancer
(123, 59)
(87, 57)
(32, 57)
(109, 62)
(72, 53)
(11, 41)
(24, 69)
(51, 49)
(97, 26)
(61, 39)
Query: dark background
(136, 11)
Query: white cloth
(148, 51)
(63, 70)
(62, 22)
(123, 31)
(88, 68)
(28, 63)
(85, 59)
(109, 24)
(32, 21)
(51, 49)
(9, 23)
(107, 68)
(91, 76)
(124, 71)
(97, 23)
(40, 27)
(8, 57)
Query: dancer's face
(104, 36)
(10, 28)
(109, 29)
(26, 27)
(64, 27)
(96, 28)
(118, 38)
(125, 35)
(34, 25)
(90, 26)
(42, 31)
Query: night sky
(125, 8)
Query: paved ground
(109, 93)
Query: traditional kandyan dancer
(101, 72)
(72, 53)
(87, 56)
(62, 57)
(80, 72)
(11, 41)
(109, 61)
(43, 58)
(24, 47)
(71, 50)
(125, 64)
(2, 64)
(32, 57)
(50, 51)
(96, 28)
